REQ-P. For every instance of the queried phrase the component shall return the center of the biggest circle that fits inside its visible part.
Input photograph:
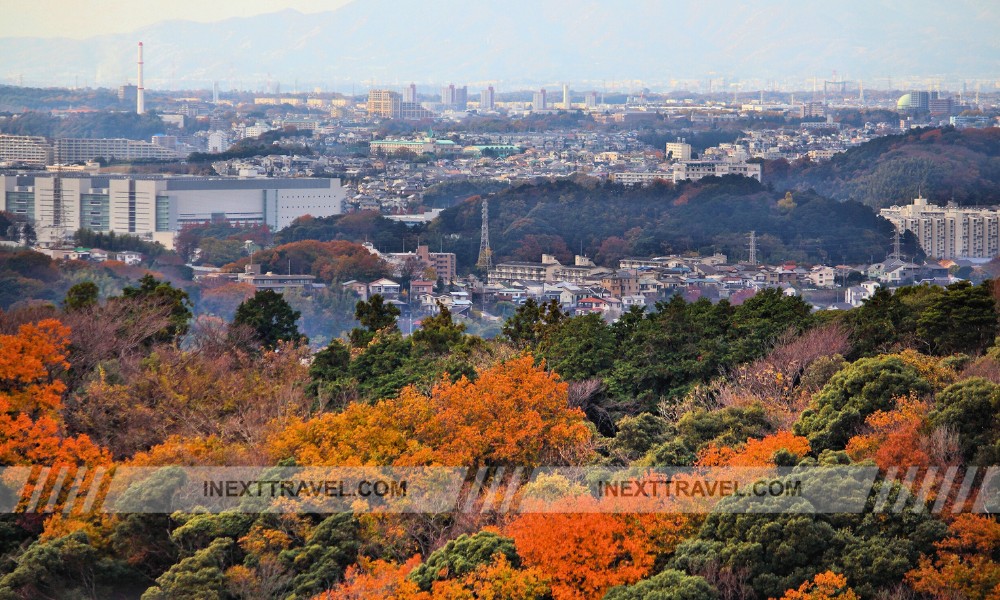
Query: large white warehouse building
(157, 207)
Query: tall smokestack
(140, 101)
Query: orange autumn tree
(498, 579)
(903, 438)
(896, 438)
(585, 548)
(824, 586)
(381, 579)
(515, 413)
(755, 453)
(31, 423)
(377, 579)
(966, 565)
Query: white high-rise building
(487, 99)
(538, 100)
(218, 141)
(950, 231)
(678, 151)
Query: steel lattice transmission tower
(485, 254)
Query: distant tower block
(485, 254)
(140, 100)
(566, 104)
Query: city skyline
(738, 48)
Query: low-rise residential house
(358, 287)
(856, 295)
(387, 288)
(622, 283)
(129, 258)
(570, 295)
(636, 300)
(590, 305)
(270, 281)
(822, 276)
(899, 272)
(419, 287)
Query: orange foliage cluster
(823, 586)
(755, 453)
(929, 367)
(965, 566)
(896, 438)
(514, 414)
(193, 452)
(377, 579)
(586, 553)
(31, 428)
(381, 579)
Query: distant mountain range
(589, 43)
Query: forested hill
(943, 164)
(609, 221)
(85, 125)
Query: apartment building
(384, 103)
(28, 150)
(949, 231)
(70, 150)
(696, 169)
(632, 178)
(678, 151)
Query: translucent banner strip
(440, 490)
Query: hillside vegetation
(607, 222)
(943, 164)
(908, 380)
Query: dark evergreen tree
(270, 317)
(375, 314)
(162, 293)
(81, 296)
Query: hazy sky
(85, 18)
